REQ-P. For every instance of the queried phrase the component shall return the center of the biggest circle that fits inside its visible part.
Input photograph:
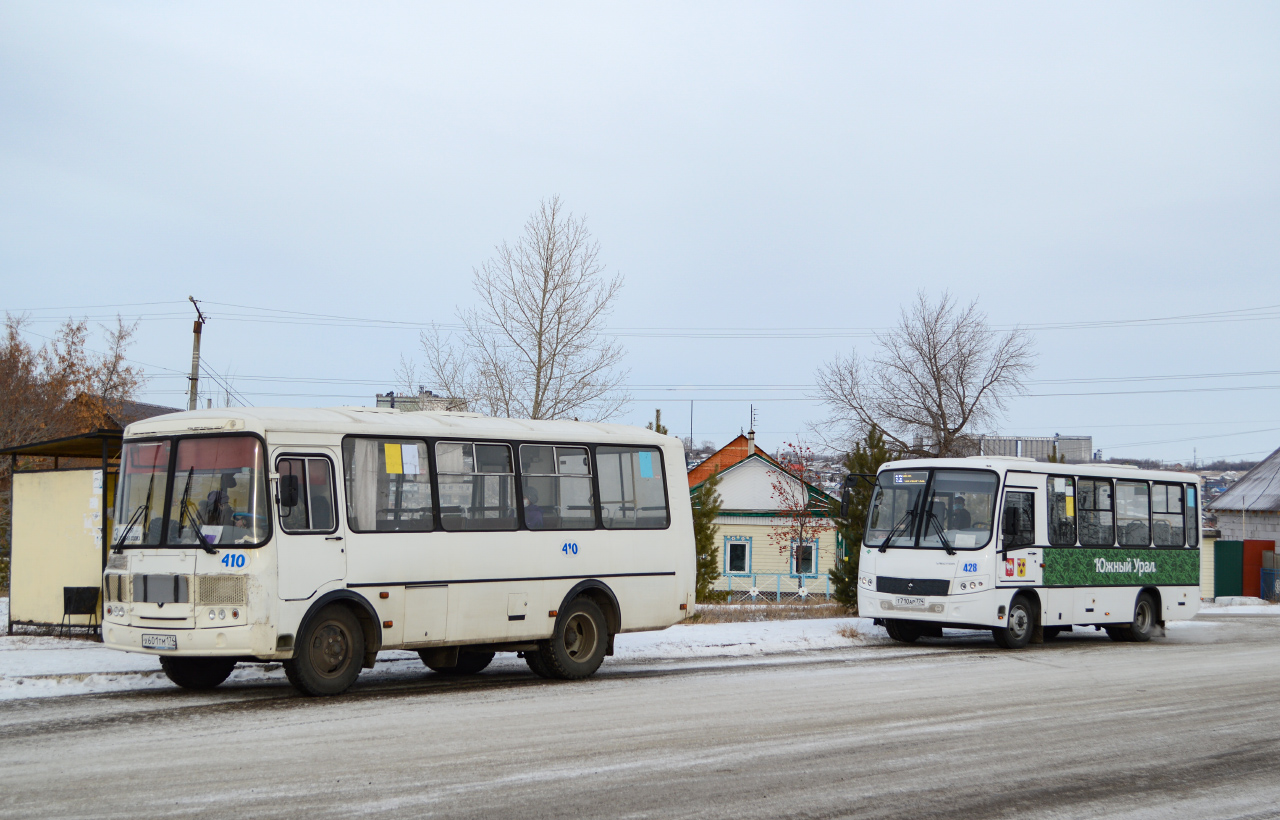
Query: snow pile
(743, 639)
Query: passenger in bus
(960, 518)
(532, 512)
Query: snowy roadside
(44, 666)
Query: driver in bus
(960, 518)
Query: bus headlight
(866, 581)
(212, 615)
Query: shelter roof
(85, 445)
(1257, 490)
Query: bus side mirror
(846, 493)
(288, 491)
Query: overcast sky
(777, 180)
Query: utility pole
(195, 355)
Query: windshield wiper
(186, 516)
(909, 515)
(937, 525)
(142, 511)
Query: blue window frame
(737, 555)
(806, 558)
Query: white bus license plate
(903, 602)
(159, 641)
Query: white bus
(320, 537)
(1027, 549)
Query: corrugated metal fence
(1271, 585)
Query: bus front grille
(161, 589)
(118, 588)
(912, 586)
(220, 589)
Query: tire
(1144, 619)
(903, 631)
(534, 660)
(578, 644)
(1021, 622)
(328, 658)
(1120, 634)
(469, 663)
(197, 673)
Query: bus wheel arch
(364, 613)
(602, 596)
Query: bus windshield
(933, 509)
(219, 493)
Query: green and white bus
(1028, 549)
(320, 537)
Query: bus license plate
(903, 602)
(159, 641)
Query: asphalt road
(1186, 726)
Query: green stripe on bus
(1084, 567)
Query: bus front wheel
(197, 673)
(578, 644)
(1020, 620)
(903, 631)
(327, 660)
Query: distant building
(425, 400)
(1074, 449)
(1250, 508)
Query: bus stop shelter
(61, 528)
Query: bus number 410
(569, 549)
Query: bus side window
(388, 485)
(314, 510)
(1062, 511)
(1167, 528)
(1193, 518)
(477, 486)
(1133, 512)
(1097, 526)
(632, 489)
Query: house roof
(732, 453)
(1257, 490)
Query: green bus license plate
(159, 641)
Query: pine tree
(706, 506)
(866, 458)
(656, 424)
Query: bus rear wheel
(578, 644)
(469, 663)
(1143, 625)
(327, 660)
(197, 673)
(1020, 620)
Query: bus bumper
(256, 640)
(976, 608)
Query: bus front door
(311, 542)
(1020, 556)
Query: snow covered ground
(42, 666)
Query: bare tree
(938, 375)
(534, 348)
